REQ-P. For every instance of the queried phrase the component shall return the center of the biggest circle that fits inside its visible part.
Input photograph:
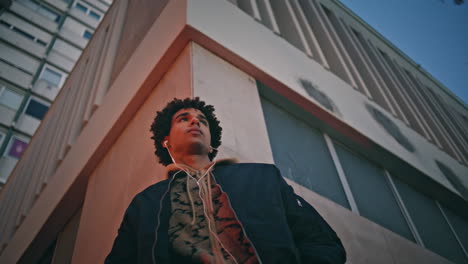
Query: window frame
(39, 101)
(82, 7)
(95, 15)
(42, 9)
(85, 32)
(23, 33)
(2, 137)
(10, 143)
(53, 69)
(88, 10)
(2, 90)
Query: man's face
(190, 132)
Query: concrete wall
(132, 33)
(235, 97)
(282, 67)
(364, 240)
(237, 102)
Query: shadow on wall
(313, 91)
(453, 179)
(390, 127)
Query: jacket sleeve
(124, 249)
(315, 240)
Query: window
(87, 34)
(88, 11)
(36, 109)
(51, 76)
(81, 7)
(5, 24)
(94, 15)
(459, 225)
(430, 223)
(40, 42)
(372, 193)
(296, 146)
(50, 14)
(10, 98)
(41, 9)
(17, 148)
(23, 33)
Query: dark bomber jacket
(282, 226)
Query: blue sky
(434, 33)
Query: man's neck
(195, 161)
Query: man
(217, 212)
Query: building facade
(362, 132)
(40, 42)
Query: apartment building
(40, 42)
(359, 130)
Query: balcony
(34, 17)
(15, 75)
(23, 43)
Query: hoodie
(202, 225)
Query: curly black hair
(162, 125)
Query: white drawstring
(194, 213)
(192, 204)
(209, 222)
(162, 198)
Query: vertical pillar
(235, 97)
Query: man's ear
(165, 142)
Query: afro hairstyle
(162, 126)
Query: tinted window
(301, 153)
(94, 15)
(81, 7)
(87, 34)
(430, 223)
(372, 192)
(460, 225)
(36, 109)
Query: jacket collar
(172, 168)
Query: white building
(364, 134)
(40, 42)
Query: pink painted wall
(129, 167)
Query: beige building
(370, 139)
